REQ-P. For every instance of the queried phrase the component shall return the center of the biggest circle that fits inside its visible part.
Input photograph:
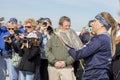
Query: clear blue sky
(80, 11)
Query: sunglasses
(27, 26)
(44, 18)
(10, 28)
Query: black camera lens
(24, 41)
(6, 38)
(50, 30)
(44, 24)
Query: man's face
(11, 27)
(65, 25)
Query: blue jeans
(38, 73)
(26, 75)
(2, 69)
(9, 67)
(15, 73)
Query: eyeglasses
(27, 26)
(10, 28)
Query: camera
(25, 40)
(44, 24)
(17, 32)
(50, 30)
(6, 38)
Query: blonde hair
(111, 21)
(31, 21)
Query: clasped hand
(60, 64)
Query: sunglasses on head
(10, 28)
(44, 18)
(27, 26)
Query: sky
(79, 11)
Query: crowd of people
(36, 51)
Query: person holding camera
(30, 53)
(29, 50)
(7, 39)
(46, 30)
(11, 45)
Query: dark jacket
(30, 58)
(97, 56)
(116, 64)
(56, 51)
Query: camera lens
(25, 41)
(6, 38)
(44, 24)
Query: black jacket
(116, 64)
(30, 58)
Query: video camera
(50, 30)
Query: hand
(57, 64)
(24, 45)
(8, 40)
(21, 36)
(60, 64)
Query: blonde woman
(30, 51)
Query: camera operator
(11, 42)
(49, 31)
(26, 45)
(30, 53)
(43, 24)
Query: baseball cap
(13, 20)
